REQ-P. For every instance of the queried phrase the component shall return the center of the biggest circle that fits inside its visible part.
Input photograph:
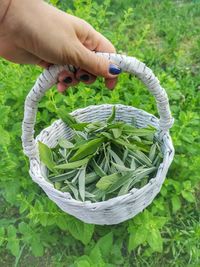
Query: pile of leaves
(103, 159)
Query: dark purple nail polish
(84, 78)
(114, 69)
(67, 80)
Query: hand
(33, 32)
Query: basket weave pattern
(120, 208)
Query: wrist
(5, 4)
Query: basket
(120, 208)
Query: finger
(111, 83)
(97, 42)
(94, 64)
(85, 77)
(65, 80)
(61, 87)
(44, 64)
(67, 77)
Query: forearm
(4, 6)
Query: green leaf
(81, 184)
(98, 170)
(138, 131)
(118, 183)
(176, 203)
(152, 152)
(24, 228)
(79, 126)
(66, 117)
(87, 149)
(73, 189)
(116, 132)
(188, 196)
(106, 181)
(155, 240)
(112, 116)
(73, 165)
(121, 142)
(2, 234)
(140, 157)
(82, 263)
(91, 177)
(125, 188)
(105, 244)
(4, 137)
(37, 247)
(64, 143)
(63, 177)
(96, 257)
(81, 231)
(137, 237)
(121, 168)
(46, 155)
(13, 241)
(61, 221)
(116, 157)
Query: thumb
(96, 64)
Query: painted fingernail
(114, 69)
(67, 80)
(84, 78)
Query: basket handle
(49, 77)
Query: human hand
(33, 32)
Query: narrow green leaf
(46, 155)
(79, 126)
(118, 183)
(124, 143)
(63, 177)
(73, 165)
(112, 116)
(125, 188)
(105, 182)
(98, 170)
(116, 132)
(64, 143)
(89, 195)
(74, 190)
(81, 183)
(133, 164)
(87, 149)
(121, 168)
(141, 157)
(91, 177)
(152, 152)
(66, 117)
(115, 157)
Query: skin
(34, 32)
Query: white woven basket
(121, 208)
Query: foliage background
(33, 231)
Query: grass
(165, 35)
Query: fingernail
(84, 78)
(67, 80)
(114, 69)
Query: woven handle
(49, 77)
